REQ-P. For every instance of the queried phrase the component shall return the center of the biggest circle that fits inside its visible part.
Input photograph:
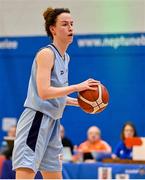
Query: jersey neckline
(58, 51)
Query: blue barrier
(117, 60)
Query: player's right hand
(89, 84)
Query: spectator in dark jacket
(65, 141)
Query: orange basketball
(94, 101)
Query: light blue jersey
(59, 78)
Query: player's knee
(51, 175)
(24, 173)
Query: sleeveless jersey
(59, 78)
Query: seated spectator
(12, 131)
(121, 151)
(9, 139)
(94, 143)
(65, 141)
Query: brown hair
(50, 17)
(128, 124)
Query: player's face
(63, 29)
(128, 131)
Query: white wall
(24, 17)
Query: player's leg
(30, 143)
(51, 164)
(51, 175)
(25, 173)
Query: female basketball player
(38, 145)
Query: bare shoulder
(45, 56)
(104, 142)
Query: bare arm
(72, 101)
(45, 62)
(107, 147)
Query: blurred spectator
(121, 151)
(93, 144)
(10, 134)
(9, 139)
(65, 141)
(12, 131)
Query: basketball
(94, 101)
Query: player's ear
(52, 30)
